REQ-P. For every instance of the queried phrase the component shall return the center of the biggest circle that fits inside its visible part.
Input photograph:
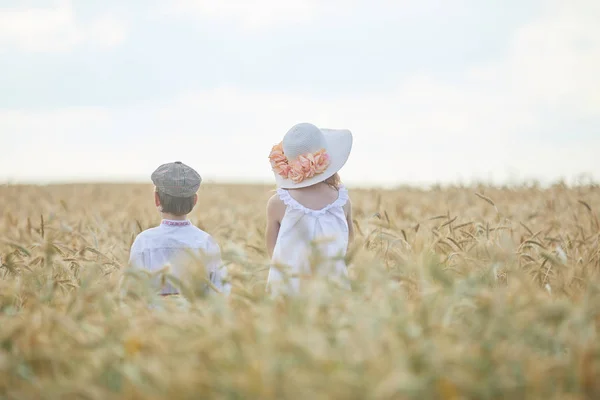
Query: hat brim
(338, 144)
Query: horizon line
(581, 181)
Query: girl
(309, 220)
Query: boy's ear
(195, 198)
(156, 199)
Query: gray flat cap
(176, 179)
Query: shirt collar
(170, 222)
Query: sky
(434, 91)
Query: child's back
(177, 244)
(309, 219)
(313, 230)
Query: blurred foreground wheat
(474, 293)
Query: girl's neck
(316, 186)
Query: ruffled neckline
(290, 202)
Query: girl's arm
(275, 212)
(348, 209)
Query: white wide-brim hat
(306, 138)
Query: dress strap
(290, 202)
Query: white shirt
(169, 244)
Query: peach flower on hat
(321, 161)
(279, 161)
(296, 174)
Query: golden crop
(458, 293)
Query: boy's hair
(334, 181)
(175, 205)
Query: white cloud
(251, 14)
(22, 132)
(107, 32)
(55, 29)
(227, 133)
(260, 15)
(553, 62)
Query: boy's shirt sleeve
(136, 254)
(216, 267)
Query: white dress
(310, 242)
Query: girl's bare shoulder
(275, 204)
(274, 200)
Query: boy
(169, 243)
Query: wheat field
(458, 293)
